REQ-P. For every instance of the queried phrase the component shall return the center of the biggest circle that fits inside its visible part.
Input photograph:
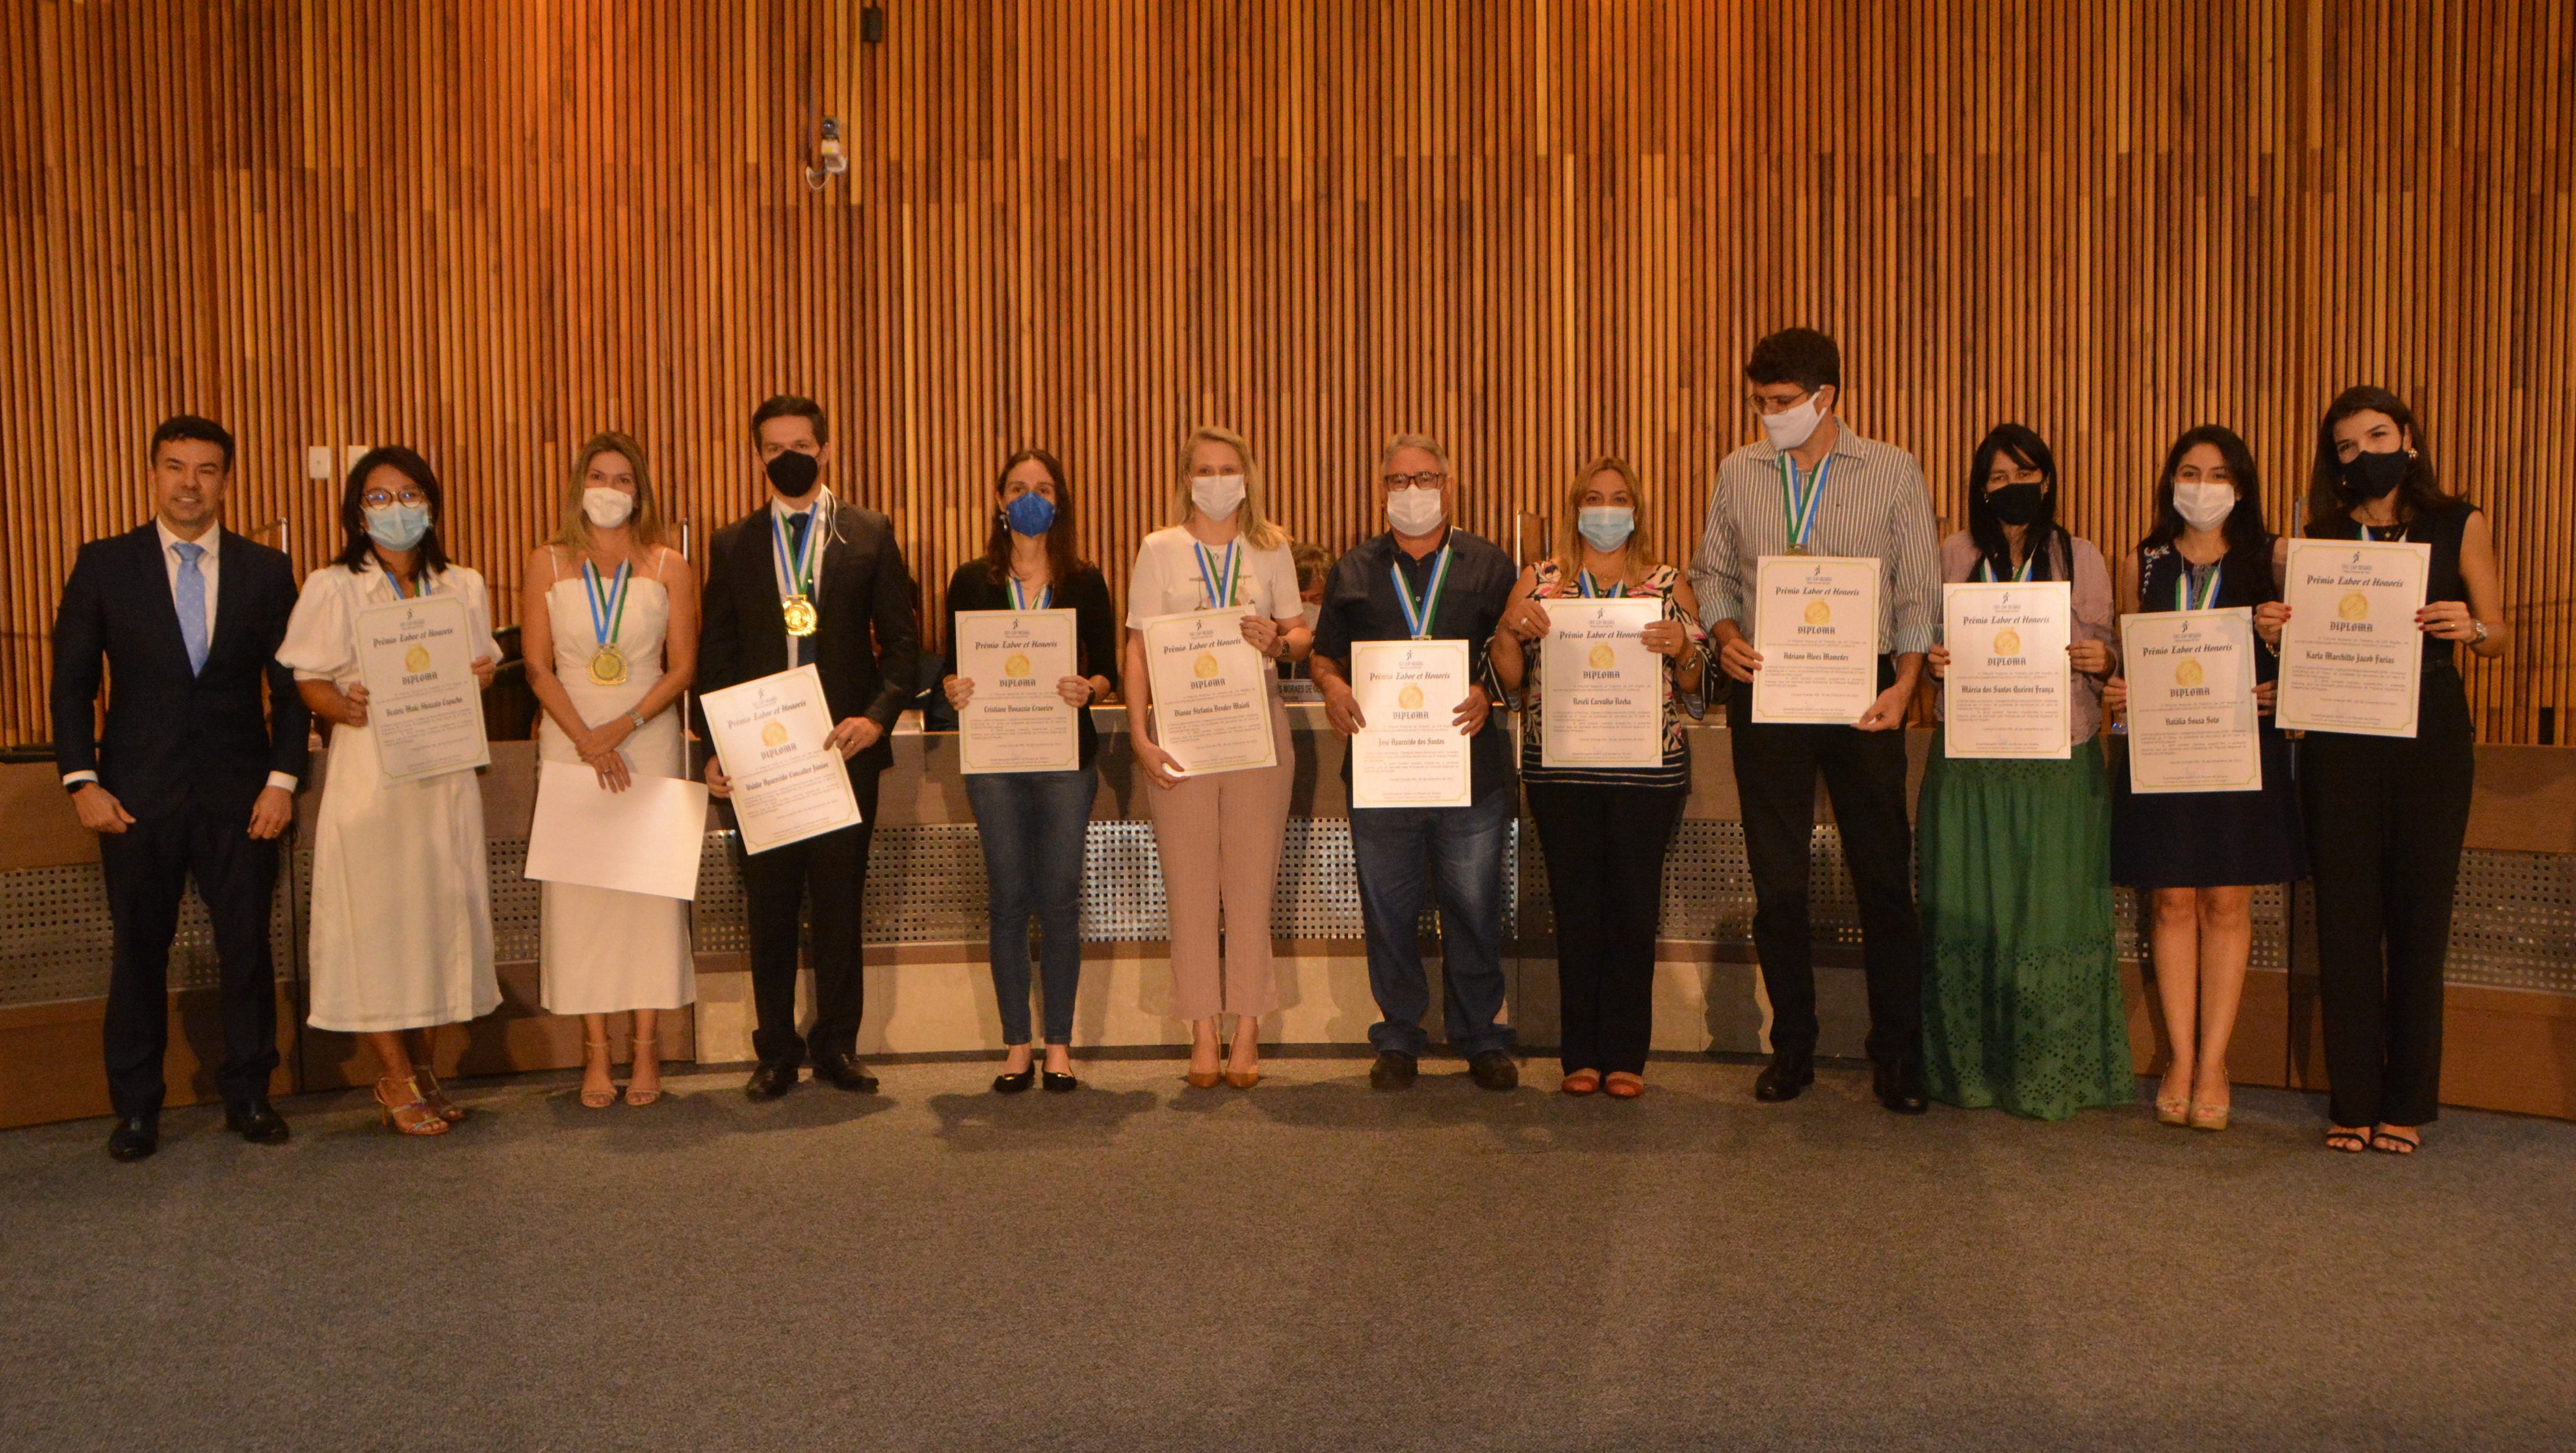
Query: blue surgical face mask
(1030, 514)
(397, 526)
(1606, 526)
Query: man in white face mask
(1812, 486)
(1426, 579)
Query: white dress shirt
(210, 568)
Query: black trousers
(2386, 817)
(1864, 772)
(829, 874)
(1605, 871)
(146, 868)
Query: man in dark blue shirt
(1427, 580)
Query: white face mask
(2204, 506)
(1217, 495)
(607, 508)
(1416, 511)
(1790, 428)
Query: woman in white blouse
(1218, 834)
(401, 934)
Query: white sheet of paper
(772, 736)
(423, 703)
(1815, 621)
(2008, 693)
(2352, 655)
(646, 839)
(1409, 752)
(1604, 691)
(1211, 692)
(2193, 726)
(1016, 721)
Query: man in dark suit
(807, 579)
(196, 773)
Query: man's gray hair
(1423, 442)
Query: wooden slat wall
(1540, 230)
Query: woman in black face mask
(2021, 977)
(2195, 858)
(2386, 815)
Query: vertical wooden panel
(1545, 228)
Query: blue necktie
(191, 594)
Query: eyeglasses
(377, 499)
(1758, 404)
(1428, 479)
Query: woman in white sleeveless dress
(401, 934)
(619, 609)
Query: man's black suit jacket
(176, 739)
(867, 643)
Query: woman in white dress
(620, 608)
(401, 922)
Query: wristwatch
(636, 717)
(2478, 634)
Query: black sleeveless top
(2159, 566)
(2441, 530)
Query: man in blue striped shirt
(1812, 486)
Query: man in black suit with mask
(196, 774)
(808, 579)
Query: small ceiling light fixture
(829, 161)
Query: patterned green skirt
(2021, 975)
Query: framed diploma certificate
(1211, 692)
(1409, 751)
(2352, 653)
(1604, 691)
(773, 737)
(1815, 621)
(2008, 692)
(1016, 721)
(423, 702)
(2192, 719)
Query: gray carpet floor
(1309, 1265)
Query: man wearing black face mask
(809, 580)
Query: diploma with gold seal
(2352, 654)
(773, 738)
(1604, 691)
(1409, 751)
(1211, 692)
(2192, 718)
(2008, 693)
(1815, 621)
(423, 703)
(1016, 721)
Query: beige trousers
(1219, 838)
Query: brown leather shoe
(1581, 1082)
(1622, 1085)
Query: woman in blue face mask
(1604, 828)
(1033, 822)
(401, 921)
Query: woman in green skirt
(2021, 977)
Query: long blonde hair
(1257, 529)
(573, 533)
(1641, 541)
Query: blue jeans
(1032, 824)
(1400, 852)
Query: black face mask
(2371, 474)
(2017, 504)
(793, 472)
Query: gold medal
(1797, 548)
(608, 666)
(799, 612)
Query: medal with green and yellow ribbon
(607, 615)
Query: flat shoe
(1581, 1082)
(1623, 1086)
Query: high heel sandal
(435, 1095)
(2172, 1112)
(2205, 1116)
(636, 1094)
(597, 1099)
(2347, 1140)
(412, 1115)
(2387, 1141)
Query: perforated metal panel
(2513, 922)
(1708, 887)
(2271, 948)
(57, 941)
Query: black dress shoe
(1899, 1085)
(770, 1081)
(1394, 1070)
(1061, 1084)
(1494, 1070)
(1007, 1084)
(134, 1137)
(257, 1122)
(1791, 1071)
(845, 1072)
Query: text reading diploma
(1016, 721)
(1211, 692)
(1409, 751)
(423, 702)
(1815, 622)
(2192, 720)
(2351, 653)
(773, 738)
(1605, 689)
(2007, 693)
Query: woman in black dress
(2386, 815)
(2197, 856)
